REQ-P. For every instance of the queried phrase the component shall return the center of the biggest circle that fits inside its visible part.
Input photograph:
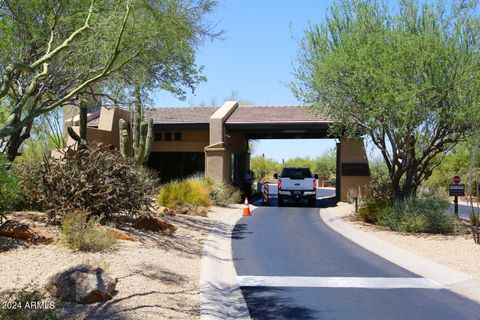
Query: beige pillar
(353, 168)
(218, 154)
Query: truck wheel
(280, 201)
(312, 202)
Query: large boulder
(25, 231)
(82, 284)
(154, 224)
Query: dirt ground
(158, 275)
(458, 252)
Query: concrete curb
(458, 282)
(220, 295)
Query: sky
(255, 59)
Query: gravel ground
(158, 276)
(458, 252)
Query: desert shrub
(425, 213)
(223, 194)
(11, 193)
(185, 193)
(96, 180)
(21, 308)
(372, 210)
(195, 194)
(380, 186)
(83, 232)
(220, 194)
(379, 195)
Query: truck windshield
(296, 173)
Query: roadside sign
(456, 190)
(457, 179)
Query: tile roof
(274, 114)
(174, 115)
(180, 115)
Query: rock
(119, 234)
(166, 211)
(82, 284)
(26, 231)
(154, 224)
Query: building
(215, 140)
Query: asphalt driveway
(290, 265)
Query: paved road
(463, 211)
(292, 266)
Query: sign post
(456, 190)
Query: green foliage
(11, 193)
(264, 168)
(142, 134)
(373, 209)
(185, 193)
(81, 232)
(55, 52)
(95, 180)
(380, 187)
(220, 194)
(407, 77)
(196, 193)
(23, 298)
(426, 213)
(455, 162)
(324, 166)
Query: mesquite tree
(57, 53)
(407, 78)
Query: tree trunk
(16, 140)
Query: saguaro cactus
(141, 140)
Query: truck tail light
(279, 184)
(315, 184)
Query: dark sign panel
(456, 190)
(355, 169)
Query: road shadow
(273, 303)
(325, 202)
(222, 301)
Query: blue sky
(255, 59)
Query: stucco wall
(352, 151)
(192, 141)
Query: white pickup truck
(297, 184)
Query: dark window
(168, 136)
(178, 136)
(296, 173)
(355, 169)
(158, 136)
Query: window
(178, 136)
(168, 136)
(158, 136)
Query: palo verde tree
(58, 53)
(406, 77)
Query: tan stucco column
(354, 172)
(218, 154)
(217, 163)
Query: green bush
(11, 193)
(219, 193)
(195, 193)
(372, 210)
(426, 213)
(81, 232)
(185, 193)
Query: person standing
(247, 184)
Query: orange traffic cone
(246, 208)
